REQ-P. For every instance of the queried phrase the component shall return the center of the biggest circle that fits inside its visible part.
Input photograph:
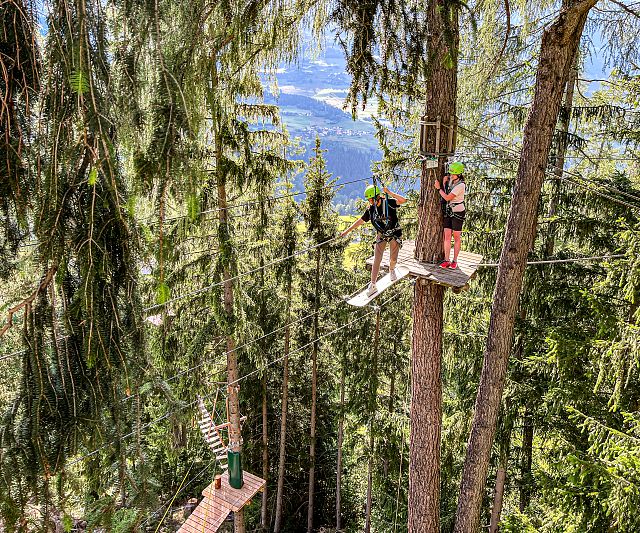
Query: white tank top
(457, 203)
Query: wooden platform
(456, 279)
(218, 503)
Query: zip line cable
(273, 362)
(246, 204)
(515, 157)
(556, 261)
(219, 389)
(242, 274)
(248, 343)
(170, 500)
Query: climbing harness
(448, 206)
(385, 231)
(382, 223)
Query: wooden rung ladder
(212, 435)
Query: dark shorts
(455, 222)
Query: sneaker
(393, 275)
(453, 264)
(372, 289)
(445, 264)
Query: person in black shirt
(383, 215)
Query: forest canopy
(169, 251)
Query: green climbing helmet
(456, 168)
(371, 192)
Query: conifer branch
(28, 301)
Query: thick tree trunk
(283, 416)
(559, 44)
(339, 464)
(314, 385)
(372, 414)
(235, 436)
(426, 389)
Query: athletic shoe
(372, 289)
(393, 275)
(453, 264)
(445, 264)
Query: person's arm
(400, 199)
(446, 197)
(353, 226)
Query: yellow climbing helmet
(456, 168)
(371, 192)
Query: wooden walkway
(456, 279)
(218, 503)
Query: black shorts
(454, 222)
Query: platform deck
(456, 279)
(235, 499)
(212, 511)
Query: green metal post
(235, 469)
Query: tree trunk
(501, 477)
(392, 391)
(527, 459)
(264, 520)
(426, 389)
(339, 464)
(558, 170)
(235, 436)
(314, 379)
(372, 413)
(559, 44)
(283, 415)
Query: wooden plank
(235, 499)
(458, 278)
(207, 517)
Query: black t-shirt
(376, 214)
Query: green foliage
(79, 82)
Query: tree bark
(559, 44)
(392, 391)
(558, 170)
(426, 389)
(264, 519)
(314, 379)
(527, 459)
(339, 464)
(235, 435)
(372, 413)
(283, 415)
(501, 477)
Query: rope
(248, 343)
(178, 492)
(555, 261)
(515, 157)
(237, 276)
(242, 378)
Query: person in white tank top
(452, 193)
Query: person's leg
(456, 244)
(447, 243)
(394, 249)
(377, 259)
